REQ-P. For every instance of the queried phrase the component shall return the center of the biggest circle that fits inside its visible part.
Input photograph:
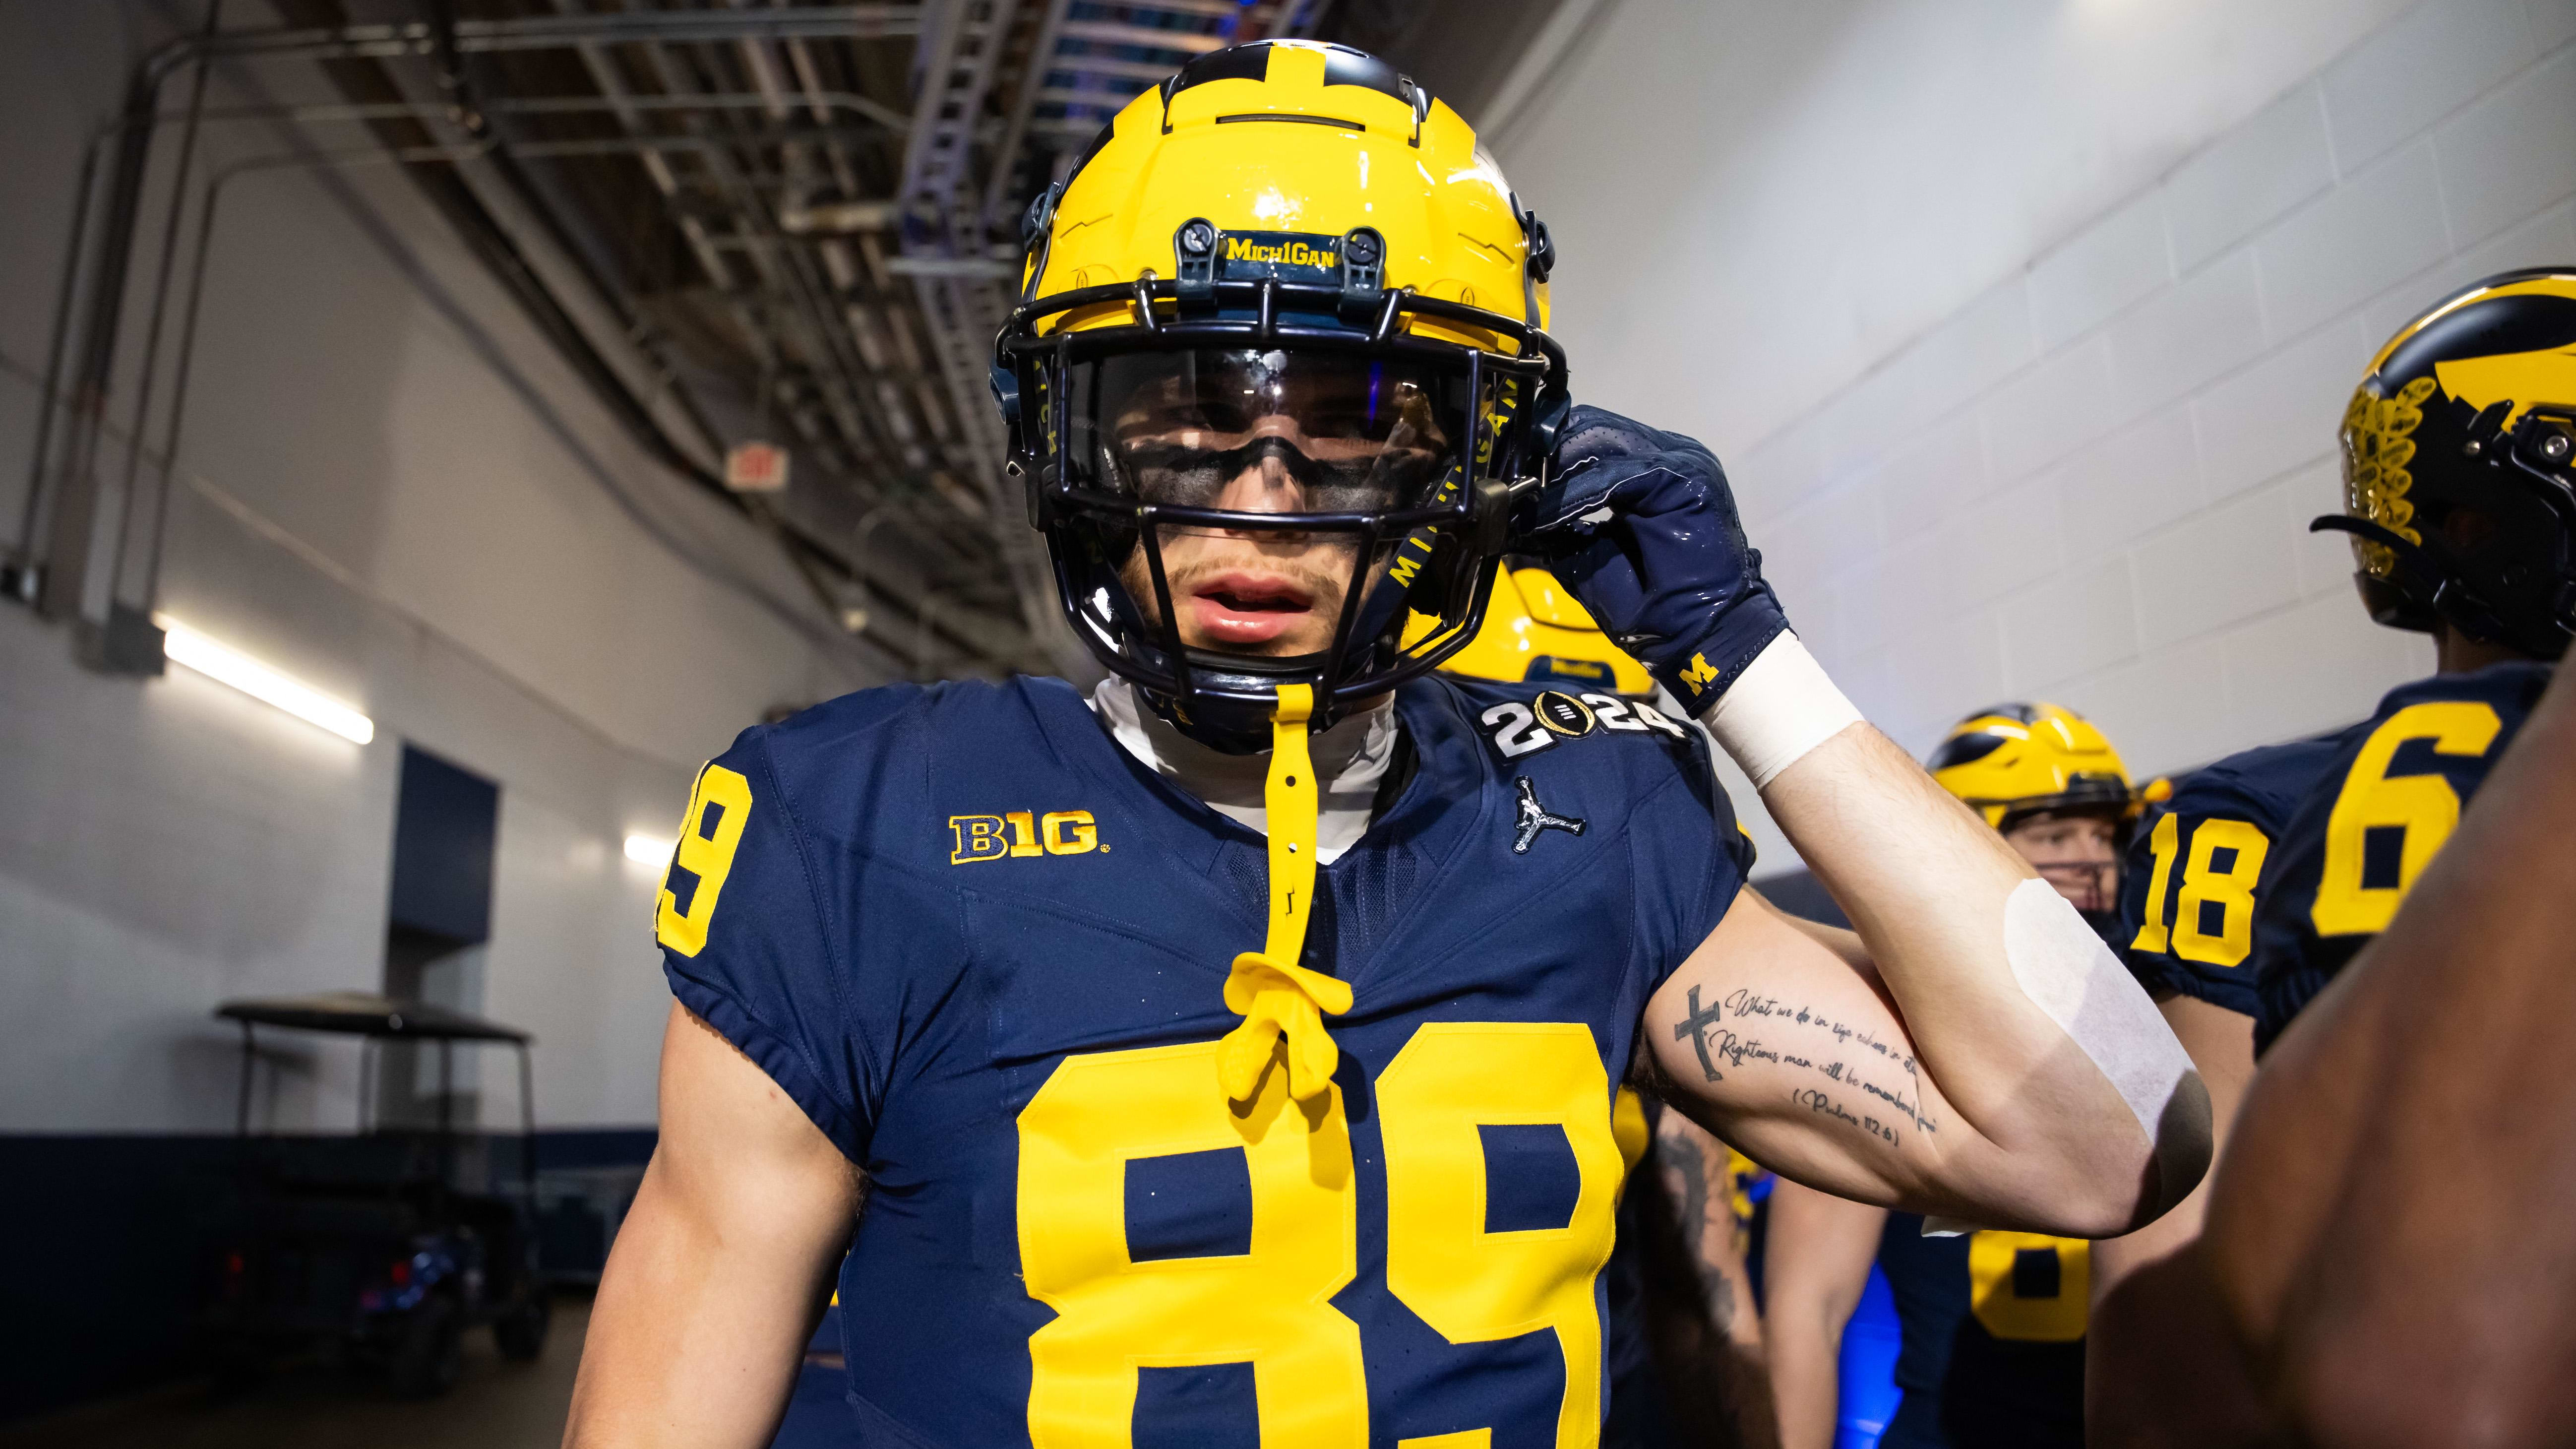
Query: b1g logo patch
(1018, 834)
(1556, 716)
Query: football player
(2275, 867)
(2187, 899)
(1231, 1055)
(2373, 1306)
(1993, 1322)
(2460, 494)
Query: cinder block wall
(2091, 481)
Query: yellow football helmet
(1534, 629)
(1281, 228)
(2459, 462)
(2013, 759)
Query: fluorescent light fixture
(650, 849)
(183, 645)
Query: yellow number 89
(1272, 1306)
(709, 835)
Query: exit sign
(756, 468)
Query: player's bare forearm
(1817, 1259)
(1799, 1057)
(1926, 885)
(722, 1265)
(2377, 1302)
(1970, 1099)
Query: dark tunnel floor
(497, 1405)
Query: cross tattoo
(1695, 1026)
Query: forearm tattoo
(1866, 1083)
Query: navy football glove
(1640, 525)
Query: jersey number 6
(2423, 807)
(1272, 1305)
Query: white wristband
(1780, 707)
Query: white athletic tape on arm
(2067, 971)
(1780, 707)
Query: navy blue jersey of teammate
(2388, 800)
(1993, 1337)
(985, 951)
(2195, 869)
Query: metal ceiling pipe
(803, 554)
(141, 118)
(604, 76)
(789, 270)
(826, 104)
(838, 216)
(97, 347)
(572, 346)
(786, 269)
(560, 31)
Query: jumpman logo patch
(1534, 818)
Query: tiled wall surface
(2092, 483)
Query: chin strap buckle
(1282, 1003)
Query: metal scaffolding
(756, 219)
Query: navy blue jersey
(1993, 1347)
(2389, 799)
(2195, 870)
(985, 950)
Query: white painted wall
(392, 490)
(2025, 327)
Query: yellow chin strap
(1276, 997)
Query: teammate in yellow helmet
(2044, 776)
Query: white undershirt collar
(1351, 760)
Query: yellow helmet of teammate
(2459, 464)
(2012, 759)
(1284, 228)
(1535, 630)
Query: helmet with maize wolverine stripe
(2012, 760)
(2459, 462)
(1280, 228)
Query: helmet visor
(1265, 430)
